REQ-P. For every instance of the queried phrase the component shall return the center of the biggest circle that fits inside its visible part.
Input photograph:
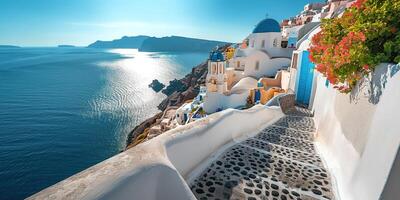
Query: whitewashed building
(264, 55)
(217, 79)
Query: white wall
(391, 190)
(236, 98)
(245, 84)
(214, 101)
(267, 37)
(293, 77)
(285, 80)
(154, 182)
(234, 63)
(268, 67)
(359, 140)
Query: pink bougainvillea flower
(344, 51)
(359, 4)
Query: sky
(81, 22)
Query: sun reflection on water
(126, 95)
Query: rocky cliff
(156, 85)
(178, 91)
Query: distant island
(65, 46)
(177, 43)
(9, 46)
(154, 44)
(134, 42)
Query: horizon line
(56, 45)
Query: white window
(263, 44)
(252, 43)
(294, 60)
(257, 67)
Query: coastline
(191, 84)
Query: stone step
(297, 123)
(232, 173)
(298, 111)
(289, 142)
(280, 130)
(237, 188)
(288, 153)
(279, 163)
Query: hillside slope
(134, 42)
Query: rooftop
(267, 25)
(216, 56)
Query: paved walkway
(279, 163)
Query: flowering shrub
(348, 48)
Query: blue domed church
(216, 80)
(229, 80)
(263, 55)
(267, 25)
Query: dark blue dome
(267, 25)
(216, 56)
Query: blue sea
(63, 110)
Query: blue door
(257, 95)
(304, 79)
(292, 42)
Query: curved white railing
(159, 168)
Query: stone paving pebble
(277, 164)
